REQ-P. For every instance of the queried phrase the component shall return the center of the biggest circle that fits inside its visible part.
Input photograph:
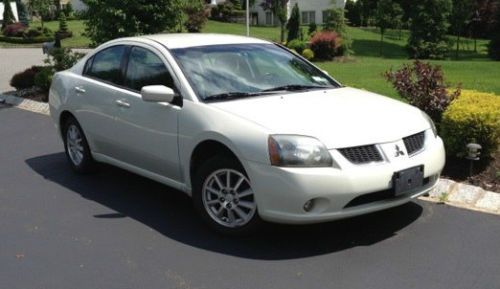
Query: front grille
(414, 143)
(361, 154)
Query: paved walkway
(13, 60)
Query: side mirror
(157, 93)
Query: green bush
(473, 117)
(25, 79)
(43, 78)
(297, 45)
(63, 58)
(293, 24)
(308, 54)
(22, 40)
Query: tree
(40, 7)
(8, 15)
(22, 12)
(109, 19)
(428, 29)
(460, 16)
(494, 46)
(196, 15)
(353, 12)
(388, 15)
(278, 9)
(293, 24)
(335, 21)
(367, 10)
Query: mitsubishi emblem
(399, 152)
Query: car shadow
(171, 213)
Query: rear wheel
(76, 147)
(224, 197)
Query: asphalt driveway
(118, 230)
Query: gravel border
(446, 191)
(26, 104)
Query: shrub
(325, 45)
(43, 78)
(422, 84)
(297, 45)
(293, 24)
(429, 28)
(32, 33)
(223, 12)
(472, 117)
(25, 79)
(197, 16)
(308, 54)
(63, 58)
(14, 30)
(313, 27)
(21, 40)
(8, 15)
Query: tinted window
(106, 64)
(145, 68)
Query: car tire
(77, 148)
(229, 207)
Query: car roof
(184, 40)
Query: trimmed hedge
(472, 117)
(21, 40)
(308, 54)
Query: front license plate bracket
(407, 180)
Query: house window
(308, 17)
(326, 14)
(269, 19)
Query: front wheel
(223, 196)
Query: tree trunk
(458, 44)
(381, 41)
(282, 36)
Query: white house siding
(14, 10)
(313, 7)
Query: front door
(147, 135)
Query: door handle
(122, 103)
(79, 89)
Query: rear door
(97, 92)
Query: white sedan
(249, 129)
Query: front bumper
(338, 192)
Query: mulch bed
(485, 173)
(30, 93)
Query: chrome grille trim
(362, 154)
(414, 143)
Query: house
(14, 10)
(311, 11)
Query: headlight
(431, 122)
(298, 151)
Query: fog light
(308, 206)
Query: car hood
(342, 117)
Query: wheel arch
(206, 150)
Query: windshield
(245, 70)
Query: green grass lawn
(473, 70)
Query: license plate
(407, 180)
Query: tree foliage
(428, 29)
(353, 12)
(8, 15)
(40, 7)
(22, 12)
(109, 19)
(494, 46)
(196, 14)
(389, 15)
(460, 16)
(279, 10)
(293, 24)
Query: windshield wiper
(295, 87)
(231, 95)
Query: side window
(146, 68)
(106, 65)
